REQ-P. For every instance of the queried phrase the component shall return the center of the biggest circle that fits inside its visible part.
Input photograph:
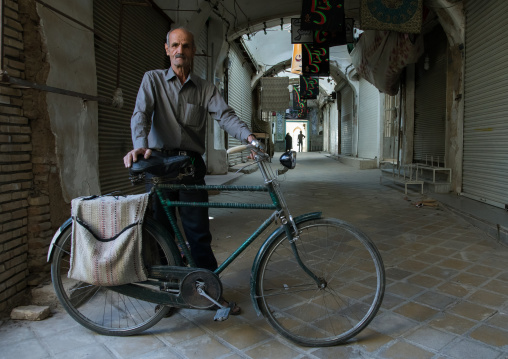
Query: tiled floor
(446, 291)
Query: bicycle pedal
(222, 314)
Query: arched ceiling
(258, 22)
(243, 16)
(271, 49)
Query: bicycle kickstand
(222, 313)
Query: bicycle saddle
(161, 165)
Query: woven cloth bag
(106, 239)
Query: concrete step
(437, 187)
(356, 162)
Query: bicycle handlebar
(237, 149)
(255, 146)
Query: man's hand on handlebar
(252, 154)
(259, 148)
(132, 156)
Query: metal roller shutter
(430, 101)
(346, 120)
(485, 166)
(239, 96)
(140, 51)
(326, 132)
(333, 115)
(368, 120)
(200, 61)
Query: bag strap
(114, 194)
(84, 225)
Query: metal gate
(430, 100)
(123, 53)
(239, 96)
(485, 165)
(368, 120)
(346, 121)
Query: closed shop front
(485, 164)
(368, 120)
(123, 54)
(239, 95)
(346, 121)
(200, 60)
(333, 114)
(430, 100)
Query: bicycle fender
(257, 261)
(57, 235)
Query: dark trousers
(195, 220)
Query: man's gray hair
(184, 29)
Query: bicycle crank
(223, 311)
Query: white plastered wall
(74, 122)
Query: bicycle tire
(101, 309)
(293, 302)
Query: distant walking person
(289, 142)
(301, 136)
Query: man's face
(180, 48)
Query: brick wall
(15, 169)
(31, 201)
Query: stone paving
(446, 291)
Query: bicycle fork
(321, 282)
(288, 222)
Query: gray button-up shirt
(170, 115)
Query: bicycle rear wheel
(101, 309)
(353, 282)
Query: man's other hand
(132, 156)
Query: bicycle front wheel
(342, 298)
(101, 309)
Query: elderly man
(170, 116)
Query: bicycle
(318, 281)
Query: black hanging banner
(324, 15)
(299, 104)
(329, 38)
(350, 24)
(343, 36)
(315, 60)
(309, 87)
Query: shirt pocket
(192, 115)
